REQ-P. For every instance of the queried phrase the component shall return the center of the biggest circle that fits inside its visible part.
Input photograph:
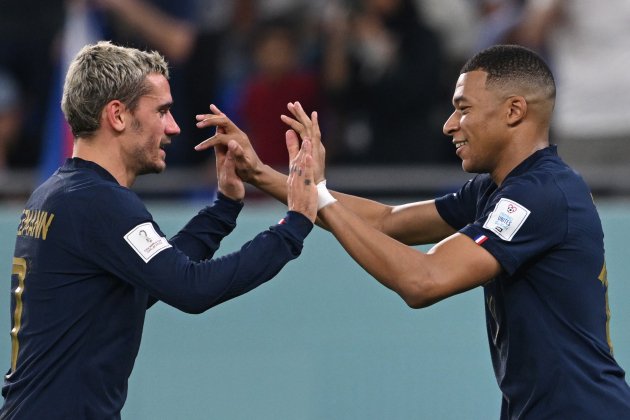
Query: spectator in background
(279, 77)
(153, 24)
(209, 44)
(497, 21)
(538, 18)
(28, 40)
(222, 56)
(590, 47)
(10, 118)
(381, 69)
(587, 46)
(169, 27)
(523, 22)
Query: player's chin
(160, 161)
(469, 166)
(160, 166)
(153, 168)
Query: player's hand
(230, 184)
(246, 161)
(307, 128)
(301, 187)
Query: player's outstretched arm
(452, 266)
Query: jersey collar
(548, 152)
(72, 164)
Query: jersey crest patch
(145, 240)
(506, 219)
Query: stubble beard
(147, 165)
(143, 153)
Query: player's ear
(516, 110)
(114, 115)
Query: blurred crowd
(379, 72)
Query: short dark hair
(513, 65)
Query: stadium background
(323, 340)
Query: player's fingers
(309, 178)
(218, 138)
(293, 144)
(238, 155)
(236, 150)
(293, 123)
(215, 110)
(228, 161)
(307, 148)
(296, 161)
(238, 159)
(212, 120)
(297, 111)
(217, 119)
(315, 125)
(304, 150)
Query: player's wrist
(324, 197)
(260, 175)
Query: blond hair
(104, 72)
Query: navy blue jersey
(547, 313)
(89, 260)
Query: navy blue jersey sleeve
(523, 219)
(129, 244)
(202, 235)
(459, 208)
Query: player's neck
(515, 156)
(105, 155)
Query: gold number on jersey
(603, 277)
(19, 269)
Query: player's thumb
(228, 163)
(235, 150)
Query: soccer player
(89, 258)
(525, 229)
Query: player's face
(152, 127)
(476, 124)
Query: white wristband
(324, 197)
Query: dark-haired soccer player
(525, 229)
(89, 258)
